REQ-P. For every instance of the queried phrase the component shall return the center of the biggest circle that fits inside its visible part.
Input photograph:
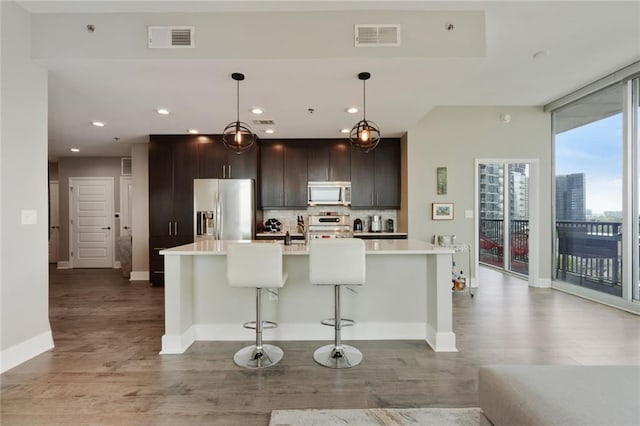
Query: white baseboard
(64, 264)
(444, 342)
(542, 283)
(24, 351)
(139, 276)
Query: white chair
(256, 265)
(337, 262)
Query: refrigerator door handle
(220, 218)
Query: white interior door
(92, 228)
(126, 202)
(54, 225)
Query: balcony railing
(588, 254)
(492, 248)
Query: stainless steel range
(329, 225)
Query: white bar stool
(256, 265)
(337, 262)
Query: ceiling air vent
(377, 35)
(264, 122)
(170, 37)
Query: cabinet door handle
(223, 171)
(377, 200)
(229, 171)
(106, 228)
(175, 228)
(169, 228)
(372, 198)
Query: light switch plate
(468, 214)
(29, 217)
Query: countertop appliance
(390, 227)
(329, 225)
(357, 225)
(224, 208)
(329, 193)
(376, 223)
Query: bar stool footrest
(331, 322)
(265, 325)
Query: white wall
(140, 208)
(24, 283)
(454, 137)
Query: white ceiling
(582, 41)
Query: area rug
(378, 416)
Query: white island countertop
(219, 247)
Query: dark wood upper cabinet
(215, 161)
(328, 160)
(375, 176)
(283, 169)
(212, 158)
(362, 179)
(272, 174)
(387, 174)
(295, 175)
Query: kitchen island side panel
(398, 301)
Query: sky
(594, 149)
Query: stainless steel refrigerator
(224, 209)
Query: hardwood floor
(105, 368)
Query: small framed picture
(441, 180)
(442, 211)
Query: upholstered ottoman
(560, 395)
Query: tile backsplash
(288, 218)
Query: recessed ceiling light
(74, 150)
(97, 123)
(193, 131)
(162, 111)
(352, 110)
(257, 111)
(269, 131)
(345, 130)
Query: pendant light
(365, 135)
(237, 136)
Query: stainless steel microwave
(329, 194)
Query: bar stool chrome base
(333, 357)
(251, 357)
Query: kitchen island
(407, 295)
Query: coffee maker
(390, 225)
(357, 225)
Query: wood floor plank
(105, 368)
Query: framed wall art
(441, 180)
(442, 211)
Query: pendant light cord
(238, 100)
(364, 99)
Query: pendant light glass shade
(365, 135)
(237, 136)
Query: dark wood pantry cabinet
(172, 168)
